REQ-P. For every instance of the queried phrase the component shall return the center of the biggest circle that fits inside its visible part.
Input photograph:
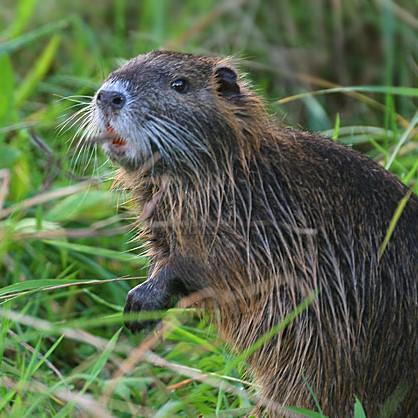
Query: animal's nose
(113, 100)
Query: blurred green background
(61, 227)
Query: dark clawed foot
(136, 326)
(146, 297)
(139, 325)
(158, 293)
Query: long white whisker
(75, 98)
(73, 119)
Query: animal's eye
(180, 85)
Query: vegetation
(67, 254)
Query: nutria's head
(181, 107)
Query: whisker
(75, 98)
(83, 126)
(67, 124)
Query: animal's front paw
(144, 298)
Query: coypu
(261, 217)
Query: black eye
(180, 85)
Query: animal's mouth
(125, 150)
(116, 140)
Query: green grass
(67, 254)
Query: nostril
(110, 99)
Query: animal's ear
(227, 81)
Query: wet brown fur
(271, 215)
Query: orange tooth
(119, 141)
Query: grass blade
(27, 38)
(42, 66)
(394, 221)
(96, 251)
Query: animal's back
(316, 217)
